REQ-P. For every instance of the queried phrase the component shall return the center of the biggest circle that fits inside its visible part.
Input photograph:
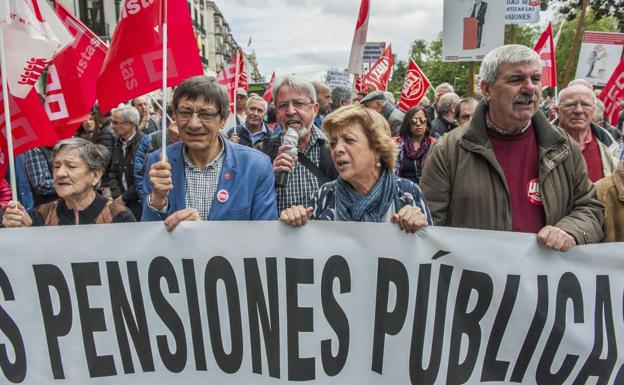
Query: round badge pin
(228, 176)
(222, 196)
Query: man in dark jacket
(509, 169)
(125, 122)
(254, 132)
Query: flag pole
(236, 78)
(164, 78)
(161, 108)
(7, 113)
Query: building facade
(215, 42)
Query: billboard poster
(472, 28)
(600, 53)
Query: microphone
(291, 138)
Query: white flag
(32, 35)
(359, 39)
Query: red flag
(546, 49)
(613, 94)
(234, 77)
(133, 65)
(377, 77)
(268, 94)
(415, 86)
(70, 92)
(359, 38)
(30, 127)
(358, 80)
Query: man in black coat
(125, 122)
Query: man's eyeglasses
(585, 105)
(205, 116)
(116, 122)
(297, 104)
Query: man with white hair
(576, 107)
(254, 131)
(508, 168)
(441, 89)
(125, 122)
(296, 106)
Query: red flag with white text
(415, 86)
(32, 34)
(359, 38)
(234, 77)
(546, 50)
(377, 77)
(134, 65)
(30, 127)
(612, 94)
(268, 94)
(70, 90)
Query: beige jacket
(611, 193)
(465, 185)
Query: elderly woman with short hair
(366, 190)
(78, 166)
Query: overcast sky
(311, 36)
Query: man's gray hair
(341, 94)
(295, 82)
(130, 114)
(445, 85)
(447, 102)
(512, 54)
(94, 155)
(257, 98)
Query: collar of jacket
(551, 139)
(599, 133)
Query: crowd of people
(501, 160)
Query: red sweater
(518, 157)
(591, 153)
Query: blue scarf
(368, 208)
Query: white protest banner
(331, 303)
(472, 28)
(522, 11)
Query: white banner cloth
(331, 303)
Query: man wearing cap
(241, 105)
(376, 100)
(509, 169)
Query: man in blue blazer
(206, 177)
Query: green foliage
(566, 38)
(600, 8)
